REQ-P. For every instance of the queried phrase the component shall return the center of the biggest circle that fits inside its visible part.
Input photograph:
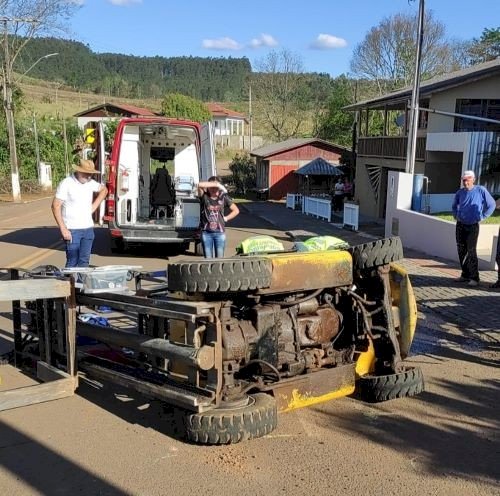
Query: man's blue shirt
(472, 206)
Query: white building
(227, 122)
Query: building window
(477, 108)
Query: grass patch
(493, 219)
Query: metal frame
(200, 358)
(48, 339)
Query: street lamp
(9, 114)
(35, 63)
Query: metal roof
(319, 167)
(216, 109)
(130, 109)
(290, 144)
(436, 84)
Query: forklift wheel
(378, 388)
(376, 253)
(220, 275)
(232, 425)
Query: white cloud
(327, 42)
(124, 2)
(222, 44)
(264, 40)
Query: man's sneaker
(473, 283)
(461, 279)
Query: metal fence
(317, 207)
(351, 215)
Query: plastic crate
(106, 279)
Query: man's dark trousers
(466, 235)
(498, 255)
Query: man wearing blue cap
(471, 205)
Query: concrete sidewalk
(471, 309)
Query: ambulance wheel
(198, 249)
(117, 245)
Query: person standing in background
(347, 189)
(496, 285)
(214, 202)
(73, 206)
(471, 205)
(338, 195)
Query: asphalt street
(107, 441)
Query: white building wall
(83, 121)
(429, 234)
(227, 126)
(446, 101)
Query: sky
(323, 33)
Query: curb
(24, 202)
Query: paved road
(443, 442)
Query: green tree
(336, 124)
(387, 53)
(23, 21)
(243, 172)
(110, 127)
(282, 97)
(487, 47)
(51, 145)
(181, 106)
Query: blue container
(418, 193)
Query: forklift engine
(230, 342)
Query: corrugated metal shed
(319, 167)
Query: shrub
(243, 172)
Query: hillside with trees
(128, 76)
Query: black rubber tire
(229, 426)
(375, 389)
(117, 245)
(223, 275)
(376, 253)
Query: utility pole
(7, 102)
(415, 96)
(66, 154)
(9, 115)
(37, 147)
(250, 121)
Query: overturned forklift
(230, 342)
